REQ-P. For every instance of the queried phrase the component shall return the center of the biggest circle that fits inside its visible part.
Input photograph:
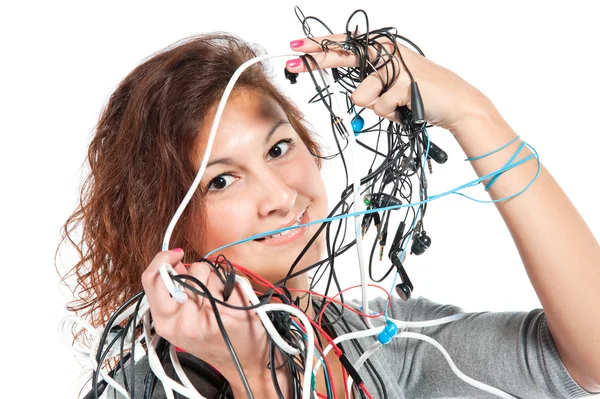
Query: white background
(537, 61)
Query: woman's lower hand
(192, 325)
(449, 101)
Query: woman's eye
(280, 149)
(220, 182)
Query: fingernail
(296, 43)
(293, 63)
(177, 250)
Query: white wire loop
(175, 289)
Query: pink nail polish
(177, 250)
(296, 43)
(293, 63)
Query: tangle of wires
(399, 157)
(398, 162)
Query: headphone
(405, 288)
(420, 243)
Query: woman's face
(261, 177)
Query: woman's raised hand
(449, 101)
(192, 325)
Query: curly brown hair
(143, 158)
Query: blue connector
(357, 124)
(388, 333)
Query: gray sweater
(511, 351)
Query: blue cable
(494, 151)
(487, 187)
(391, 207)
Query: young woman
(263, 175)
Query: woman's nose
(276, 196)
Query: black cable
(206, 293)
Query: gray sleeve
(512, 351)
(141, 368)
(204, 379)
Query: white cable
(310, 341)
(169, 384)
(357, 204)
(63, 334)
(188, 389)
(89, 356)
(211, 139)
(372, 349)
(264, 318)
(405, 334)
(178, 369)
(460, 374)
(175, 289)
(414, 324)
(377, 330)
(178, 293)
(345, 337)
(429, 323)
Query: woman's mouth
(287, 236)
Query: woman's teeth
(287, 231)
(284, 232)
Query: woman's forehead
(248, 119)
(260, 104)
(244, 106)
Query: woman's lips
(288, 235)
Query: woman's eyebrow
(273, 129)
(229, 161)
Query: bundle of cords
(387, 186)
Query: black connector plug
(379, 200)
(291, 76)
(405, 288)
(418, 112)
(383, 240)
(436, 153)
(395, 248)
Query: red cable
(256, 278)
(362, 386)
(345, 377)
(343, 304)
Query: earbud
(436, 153)
(291, 76)
(405, 288)
(357, 124)
(420, 244)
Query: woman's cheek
(228, 221)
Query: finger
(180, 268)
(341, 59)
(203, 272)
(331, 59)
(332, 42)
(386, 104)
(368, 91)
(313, 44)
(159, 298)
